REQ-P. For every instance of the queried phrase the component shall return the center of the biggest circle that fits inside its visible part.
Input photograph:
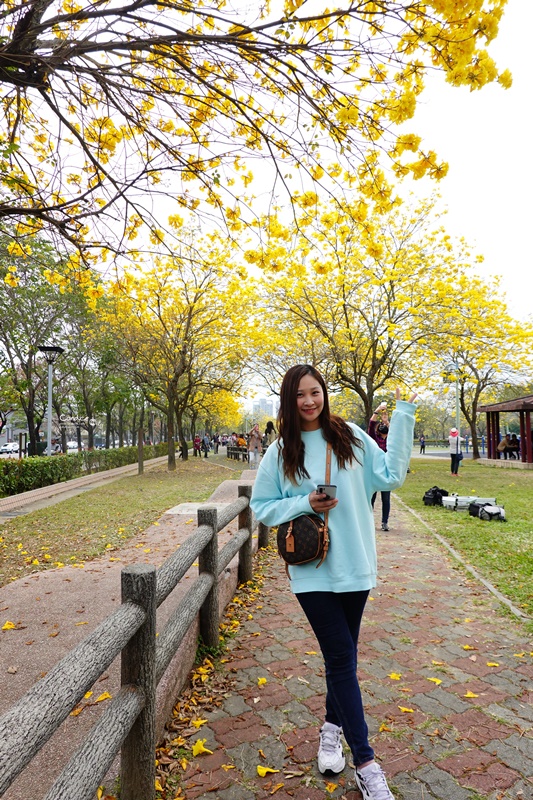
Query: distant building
(265, 406)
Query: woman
(333, 596)
(456, 455)
(378, 430)
(270, 434)
(197, 445)
(255, 447)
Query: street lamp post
(51, 353)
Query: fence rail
(128, 722)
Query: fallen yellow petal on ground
(199, 747)
(262, 771)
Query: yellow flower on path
(262, 771)
(395, 676)
(435, 680)
(199, 747)
(8, 626)
(198, 722)
(470, 694)
(261, 681)
(492, 664)
(406, 710)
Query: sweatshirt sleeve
(388, 470)
(274, 499)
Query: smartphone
(328, 489)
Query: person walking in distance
(333, 595)
(456, 453)
(255, 447)
(378, 429)
(270, 434)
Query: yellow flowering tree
(488, 351)
(116, 116)
(373, 295)
(179, 323)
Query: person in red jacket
(378, 429)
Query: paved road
(447, 684)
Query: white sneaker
(372, 783)
(330, 755)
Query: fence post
(208, 562)
(245, 553)
(137, 763)
(263, 535)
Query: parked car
(72, 446)
(10, 448)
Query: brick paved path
(456, 725)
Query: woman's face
(310, 400)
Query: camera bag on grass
(305, 538)
(433, 496)
(487, 511)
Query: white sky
(486, 137)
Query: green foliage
(22, 475)
(100, 460)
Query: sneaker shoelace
(376, 784)
(329, 740)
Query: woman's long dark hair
(334, 429)
(269, 427)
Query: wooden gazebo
(521, 405)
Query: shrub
(22, 475)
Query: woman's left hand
(399, 395)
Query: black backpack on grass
(433, 496)
(487, 511)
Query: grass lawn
(83, 527)
(501, 551)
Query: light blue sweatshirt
(351, 563)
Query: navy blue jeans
(336, 620)
(385, 505)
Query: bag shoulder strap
(326, 513)
(326, 533)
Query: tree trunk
(121, 412)
(108, 429)
(171, 432)
(184, 450)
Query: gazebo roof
(518, 404)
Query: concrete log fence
(128, 723)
